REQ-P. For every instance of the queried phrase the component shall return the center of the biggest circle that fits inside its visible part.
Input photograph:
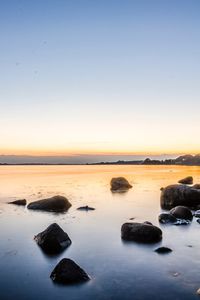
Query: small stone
(85, 208)
(163, 250)
(186, 180)
(119, 184)
(18, 202)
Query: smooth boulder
(53, 204)
(53, 239)
(186, 180)
(19, 202)
(119, 184)
(68, 272)
(174, 195)
(165, 218)
(181, 212)
(141, 232)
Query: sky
(99, 77)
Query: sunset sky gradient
(99, 77)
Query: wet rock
(186, 180)
(148, 223)
(163, 250)
(165, 218)
(182, 222)
(119, 184)
(86, 208)
(68, 272)
(19, 202)
(198, 220)
(141, 232)
(54, 204)
(174, 195)
(197, 214)
(53, 239)
(181, 212)
(196, 186)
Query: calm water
(119, 270)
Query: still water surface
(119, 270)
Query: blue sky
(99, 77)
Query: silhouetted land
(185, 160)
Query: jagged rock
(163, 250)
(54, 204)
(186, 180)
(53, 239)
(68, 272)
(19, 202)
(140, 232)
(165, 218)
(181, 212)
(120, 184)
(85, 208)
(174, 195)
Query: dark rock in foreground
(119, 184)
(175, 195)
(53, 239)
(141, 232)
(85, 208)
(68, 272)
(163, 250)
(186, 180)
(19, 202)
(181, 212)
(54, 204)
(165, 218)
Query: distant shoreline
(184, 160)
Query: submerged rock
(197, 214)
(85, 208)
(186, 180)
(181, 212)
(141, 232)
(175, 195)
(165, 218)
(163, 250)
(68, 272)
(54, 204)
(53, 239)
(119, 184)
(196, 186)
(18, 202)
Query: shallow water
(118, 270)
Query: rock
(53, 239)
(181, 212)
(140, 232)
(196, 186)
(19, 202)
(186, 180)
(68, 272)
(120, 184)
(165, 218)
(198, 220)
(197, 214)
(182, 222)
(148, 223)
(198, 292)
(54, 204)
(85, 208)
(174, 195)
(163, 250)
